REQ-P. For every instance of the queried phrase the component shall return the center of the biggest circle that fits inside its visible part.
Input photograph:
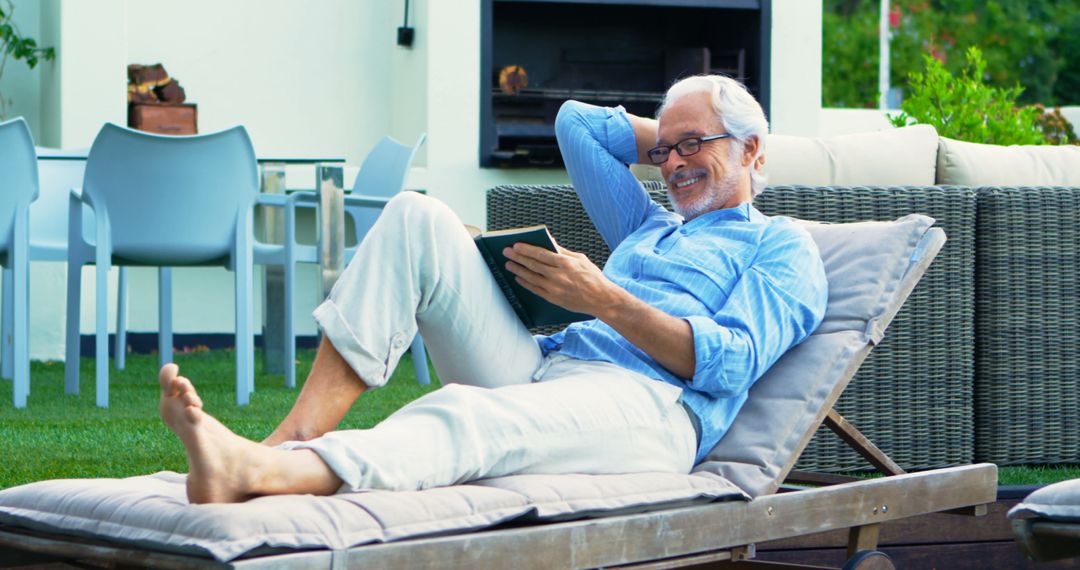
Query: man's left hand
(566, 278)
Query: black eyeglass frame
(677, 147)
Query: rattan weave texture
(913, 395)
(1027, 377)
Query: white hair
(738, 111)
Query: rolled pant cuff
(371, 368)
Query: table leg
(329, 186)
(273, 182)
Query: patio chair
(714, 514)
(165, 201)
(18, 188)
(1047, 522)
(381, 176)
(60, 170)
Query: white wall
(309, 78)
(795, 89)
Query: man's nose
(676, 161)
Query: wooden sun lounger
(664, 539)
(721, 533)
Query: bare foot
(226, 468)
(220, 462)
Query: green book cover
(532, 309)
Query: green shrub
(965, 108)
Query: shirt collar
(744, 212)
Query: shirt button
(398, 340)
(682, 231)
(636, 275)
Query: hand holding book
(566, 278)
(533, 275)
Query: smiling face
(718, 176)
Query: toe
(167, 373)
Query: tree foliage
(15, 46)
(966, 108)
(1035, 43)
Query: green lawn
(61, 436)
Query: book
(532, 309)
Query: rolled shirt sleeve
(775, 304)
(597, 145)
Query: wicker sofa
(981, 364)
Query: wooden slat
(812, 478)
(861, 444)
(967, 556)
(926, 529)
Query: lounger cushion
(1059, 502)
(153, 512)
(866, 264)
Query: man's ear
(750, 151)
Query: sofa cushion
(1059, 502)
(972, 164)
(894, 157)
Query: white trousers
(504, 409)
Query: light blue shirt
(751, 286)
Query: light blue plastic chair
(59, 170)
(165, 201)
(18, 188)
(381, 176)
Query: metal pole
(273, 182)
(883, 62)
(330, 188)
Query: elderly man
(691, 308)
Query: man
(691, 308)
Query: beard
(716, 194)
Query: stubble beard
(716, 194)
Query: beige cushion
(871, 268)
(972, 164)
(894, 157)
(153, 511)
(1058, 502)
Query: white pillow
(973, 164)
(895, 157)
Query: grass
(63, 436)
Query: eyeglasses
(685, 147)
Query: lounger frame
(668, 538)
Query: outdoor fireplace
(538, 53)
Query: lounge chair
(1047, 522)
(715, 514)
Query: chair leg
(101, 328)
(245, 342)
(165, 314)
(419, 356)
(120, 349)
(289, 350)
(71, 334)
(7, 370)
(18, 258)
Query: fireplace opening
(538, 53)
